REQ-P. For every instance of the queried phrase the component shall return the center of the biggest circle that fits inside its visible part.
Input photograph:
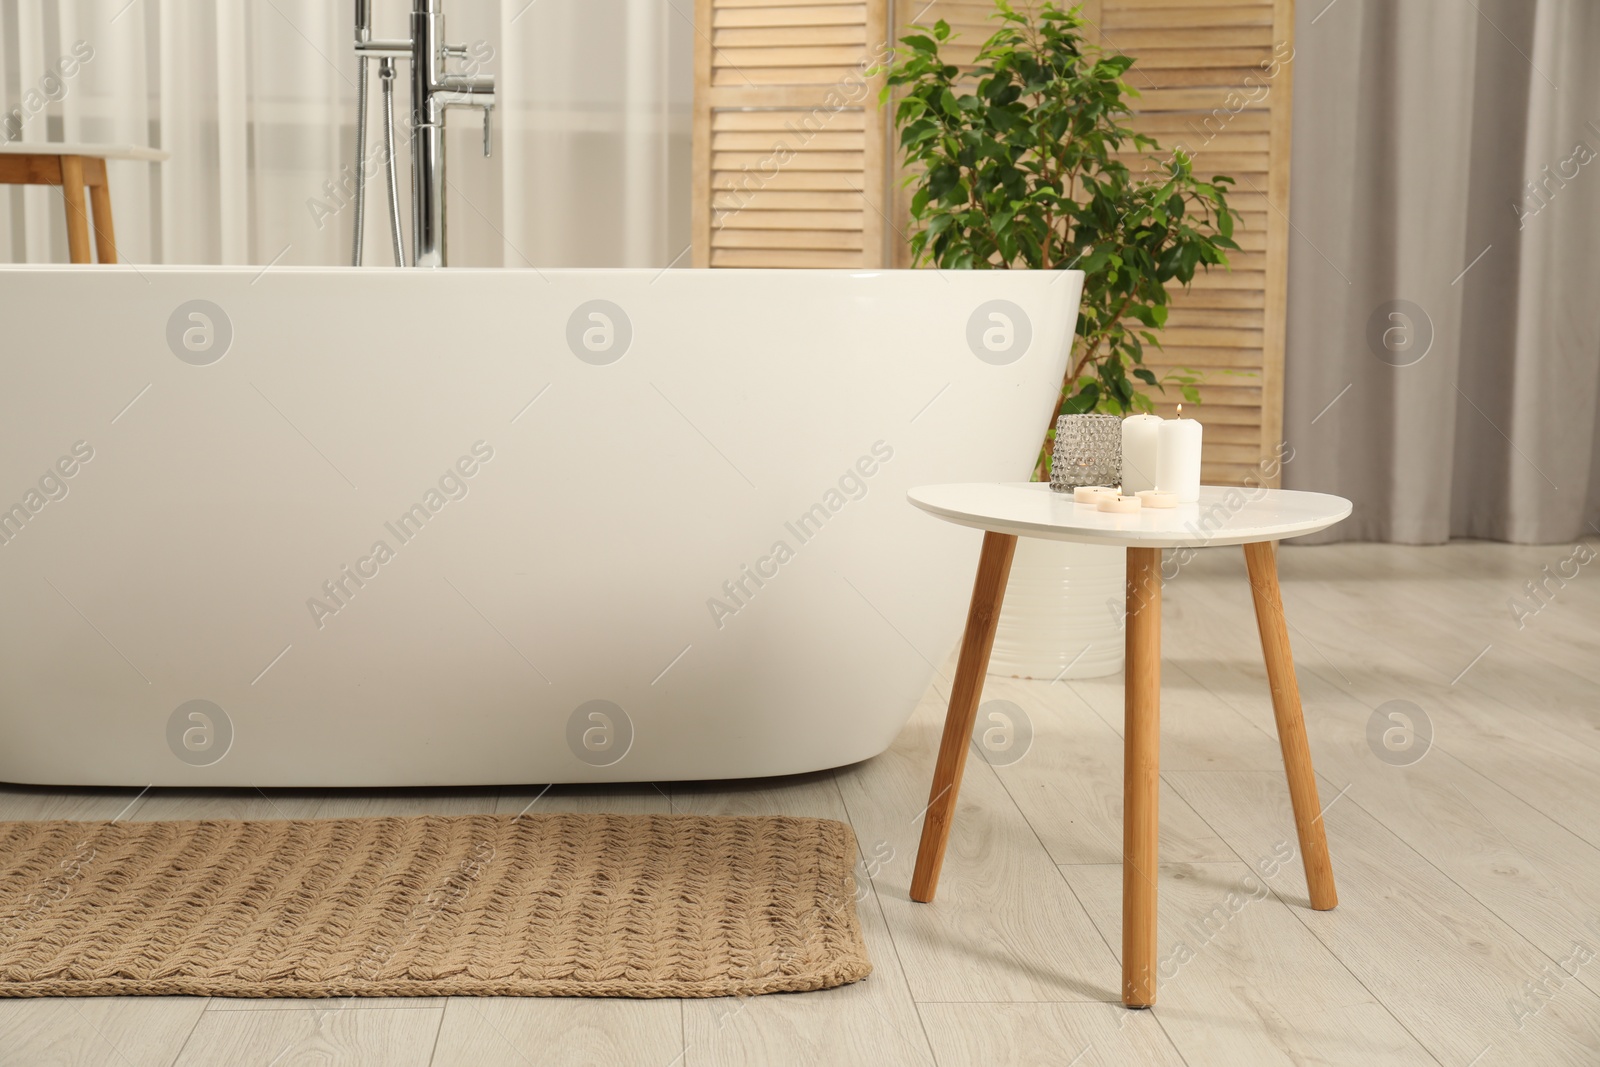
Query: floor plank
(396, 1037)
(557, 1032)
(362, 804)
(26, 802)
(623, 799)
(97, 1031)
(1444, 965)
(1047, 1035)
(178, 804)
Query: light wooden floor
(1469, 881)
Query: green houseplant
(1017, 162)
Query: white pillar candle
(1156, 498)
(1178, 458)
(1139, 451)
(1091, 494)
(1119, 505)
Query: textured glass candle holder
(1088, 452)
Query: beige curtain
(1443, 363)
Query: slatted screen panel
(1202, 84)
(790, 146)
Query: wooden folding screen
(794, 164)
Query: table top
(82, 148)
(1225, 515)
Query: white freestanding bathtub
(309, 527)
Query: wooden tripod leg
(105, 234)
(983, 616)
(1262, 561)
(77, 209)
(1141, 777)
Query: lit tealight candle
(1091, 494)
(1120, 505)
(1158, 498)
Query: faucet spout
(433, 91)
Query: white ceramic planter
(1061, 616)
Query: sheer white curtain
(597, 131)
(256, 101)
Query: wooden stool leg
(1262, 561)
(1141, 777)
(983, 617)
(105, 234)
(77, 210)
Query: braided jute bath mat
(476, 905)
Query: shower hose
(386, 76)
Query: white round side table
(1254, 518)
